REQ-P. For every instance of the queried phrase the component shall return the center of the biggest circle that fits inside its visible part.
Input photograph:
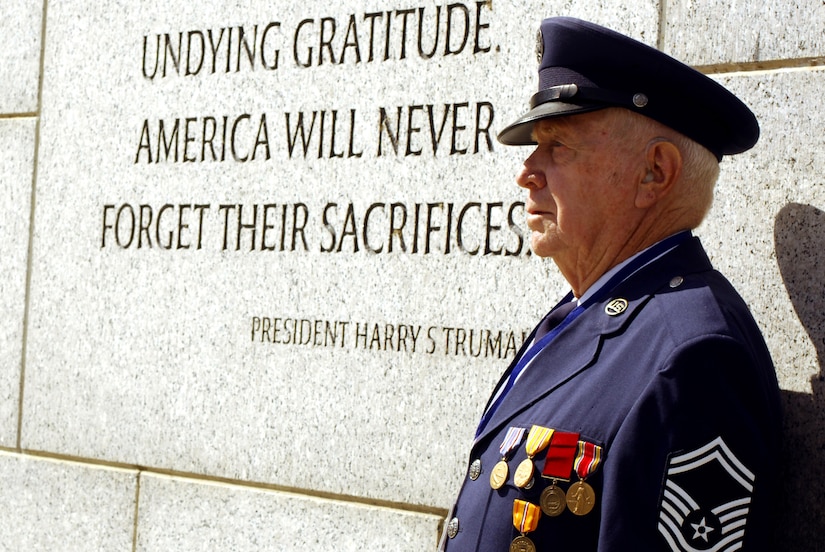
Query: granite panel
(20, 30)
(707, 32)
(17, 145)
(64, 507)
(185, 515)
(217, 291)
(765, 232)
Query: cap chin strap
(574, 93)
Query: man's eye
(552, 145)
(562, 153)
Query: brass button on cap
(475, 469)
(676, 281)
(452, 528)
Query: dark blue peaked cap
(584, 67)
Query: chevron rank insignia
(706, 500)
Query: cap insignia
(539, 46)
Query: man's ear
(664, 166)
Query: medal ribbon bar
(511, 441)
(525, 516)
(560, 456)
(538, 439)
(588, 459)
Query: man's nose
(531, 176)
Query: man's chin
(539, 246)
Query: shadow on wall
(799, 237)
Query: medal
(525, 518)
(524, 474)
(522, 544)
(553, 501)
(511, 442)
(581, 498)
(538, 438)
(499, 475)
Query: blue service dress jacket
(679, 393)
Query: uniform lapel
(576, 348)
(570, 353)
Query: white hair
(700, 168)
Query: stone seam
(35, 163)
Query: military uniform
(670, 377)
(658, 392)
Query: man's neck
(583, 276)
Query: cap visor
(520, 132)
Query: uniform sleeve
(693, 465)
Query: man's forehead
(572, 125)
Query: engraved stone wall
(264, 262)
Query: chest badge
(616, 306)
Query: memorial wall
(264, 262)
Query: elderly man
(643, 413)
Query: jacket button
(475, 469)
(452, 528)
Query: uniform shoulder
(702, 304)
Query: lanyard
(638, 262)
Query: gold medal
(581, 498)
(553, 501)
(537, 440)
(524, 474)
(522, 544)
(499, 475)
